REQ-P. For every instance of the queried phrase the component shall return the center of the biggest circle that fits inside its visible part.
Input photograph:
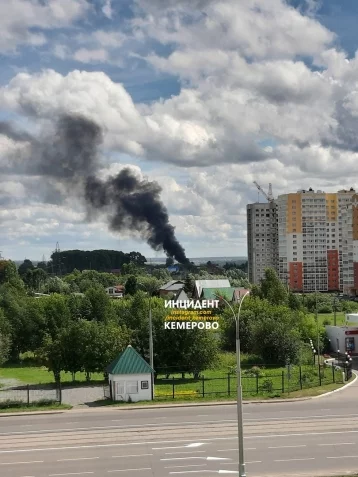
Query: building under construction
(310, 238)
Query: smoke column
(71, 157)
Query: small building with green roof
(130, 377)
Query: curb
(34, 413)
(339, 389)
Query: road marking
(204, 458)
(295, 418)
(287, 447)
(339, 444)
(250, 462)
(98, 446)
(290, 460)
(237, 450)
(194, 444)
(344, 457)
(181, 466)
(78, 458)
(71, 473)
(203, 415)
(31, 462)
(103, 428)
(184, 452)
(134, 455)
(128, 470)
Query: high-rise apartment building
(262, 239)
(317, 241)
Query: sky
(202, 96)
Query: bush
(267, 386)
(11, 403)
(254, 371)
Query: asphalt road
(316, 437)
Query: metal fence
(30, 394)
(254, 382)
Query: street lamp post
(240, 427)
(151, 353)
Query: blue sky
(182, 102)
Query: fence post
(173, 387)
(300, 377)
(228, 384)
(283, 381)
(28, 394)
(333, 375)
(203, 379)
(319, 374)
(257, 383)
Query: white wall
(123, 391)
(335, 333)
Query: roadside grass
(35, 407)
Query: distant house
(213, 284)
(116, 291)
(181, 296)
(130, 377)
(212, 293)
(239, 293)
(172, 287)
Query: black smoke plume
(71, 156)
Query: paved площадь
(313, 437)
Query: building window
(132, 387)
(120, 389)
(144, 385)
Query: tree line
(78, 328)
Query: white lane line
(71, 473)
(128, 470)
(344, 457)
(287, 447)
(181, 466)
(133, 455)
(339, 444)
(230, 450)
(236, 463)
(77, 458)
(184, 452)
(98, 446)
(203, 415)
(128, 426)
(317, 416)
(15, 463)
(290, 460)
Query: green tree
(272, 289)
(25, 266)
(131, 285)
(100, 305)
(51, 355)
(9, 274)
(5, 338)
(57, 315)
(34, 278)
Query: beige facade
(317, 240)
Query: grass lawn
(340, 317)
(274, 381)
(40, 375)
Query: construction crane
(268, 195)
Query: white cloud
(107, 8)
(249, 109)
(19, 17)
(91, 56)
